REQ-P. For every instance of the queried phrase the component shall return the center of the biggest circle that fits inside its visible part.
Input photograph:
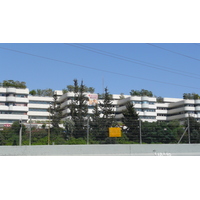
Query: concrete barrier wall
(102, 150)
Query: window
(38, 110)
(39, 102)
(38, 117)
(13, 112)
(136, 102)
(21, 95)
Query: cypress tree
(131, 121)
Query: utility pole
(50, 107)
(189, 130)
(88, 126)
(20, 133)
(49, 129)
(30, 132)
(140, 131)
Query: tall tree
(56, 112)
(107, 112)
(194, 127)
(131, 121)
(78, 110)
(96, 124)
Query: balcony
(145, 98)
(11, 90)
(13, 117)
(197, 108)
(22, 100)
(18, 108)
(11, 99)
(145, 105)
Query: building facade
(17, 104)
(13, 105)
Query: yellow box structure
(115, 132)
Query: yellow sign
(115, 132)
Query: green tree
(33, 92)
(78, 110)
(191, 96)
(194, 127)
(2, 139)
(157, 132)
(15, 127)
(64, 91)
(71, 88)
(159, 99)
(91, 90)
(107, 111)
(142, 92)
(39, 92)
(15, 84)
(131, 121)
(96, 124)
(56, 112)
(48, 92)
(69, 127)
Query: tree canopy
(142, 92)
(191, 96)
(15, 84)
(78, 110)
(72, 88)
(39, 92)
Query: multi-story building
(13, 105)
(16, 104)
(184, 108)
(67, 98)
(39, 107)
(144, 106)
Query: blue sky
(167, 72)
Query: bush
(76, 141)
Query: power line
(97, 69)
(174, 52)
(167, 69)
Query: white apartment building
(39, 105)
(17, 104)
(13, 105)
(184, 108)
(68, 98)
(38, 108)
(144, 106)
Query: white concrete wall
(102, 150)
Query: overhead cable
(97, 69)
(139, 62)
(174, 52)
